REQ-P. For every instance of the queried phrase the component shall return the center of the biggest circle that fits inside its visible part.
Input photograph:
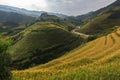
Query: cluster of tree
(5, 60)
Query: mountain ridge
(32, 13)
(103, 21)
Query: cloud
(28, 4)
(69, 7)
(77, 7)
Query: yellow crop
(97, 60)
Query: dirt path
(75, 31)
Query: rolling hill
(40, 43)
(69, 22)
(103, 20)
(96, 60)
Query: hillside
(12, 22)
(96, 60)
(11, 18)
(69, 22)
(40, 43)
(87, 17)
(103, 20)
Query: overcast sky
(69, 7)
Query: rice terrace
(60, 40)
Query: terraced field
(97, 60)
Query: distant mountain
(26, 12)
(20, 11)
(11, 19)
(103, 20)
(87, 17)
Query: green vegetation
(69, 23)
(103, 23)
(5, 60)
(104, 20)
(41, 43)
(9, 21)
(12, 31)
(45, 48)
(97, 60)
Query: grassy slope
(103, 20)
(41, 43)
(103, 23)
(68, 22)
(97, 60)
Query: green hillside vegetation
(89, 16)
(59, 47)
(68, 22)
(40, 43)
(5, 60)
(12, 31)
(12, 23)
(102, 21)
(97, 60)
(9, 21)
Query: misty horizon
(67, 7)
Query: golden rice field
(97, 60)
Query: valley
(41, 45)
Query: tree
(4, 61)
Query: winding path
(75, 31)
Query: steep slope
(87, 17)
(97, 60)
(103, 20)
(41, 43)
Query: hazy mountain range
(25, 12)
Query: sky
(68, 7)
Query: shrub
(4, 61)
(90, 38)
